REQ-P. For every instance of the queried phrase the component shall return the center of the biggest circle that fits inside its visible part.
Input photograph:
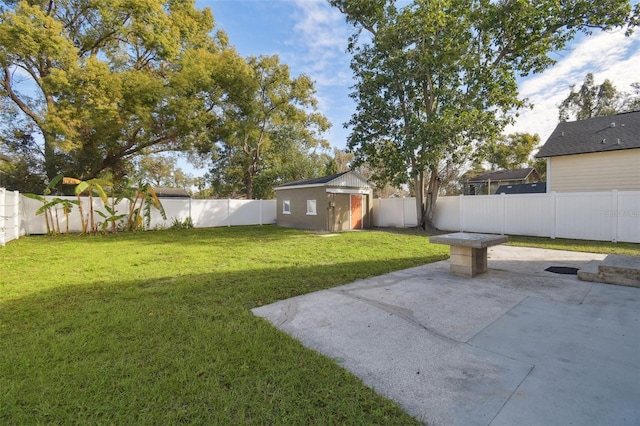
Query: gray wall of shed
(298, 201)
(332, 218)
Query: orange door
(356, 211)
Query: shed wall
(298, 218)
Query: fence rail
(601, 216)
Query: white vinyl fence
(602, 216)
(9, 216)
(203, 213)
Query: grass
(604, 247)
(156, 328)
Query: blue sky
(311, 38)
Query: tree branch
(6, 84)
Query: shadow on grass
(179, 349)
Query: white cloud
(607, 55)
(318, 48)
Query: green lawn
(156, 328)
(603, 247)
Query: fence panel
(447, 214)
(627, 214)
(583, 216)
(528, 215)
(395, 212)
(488, 213)
(10, 223)
(602, 216)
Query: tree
(509, 152)
(435, 77)
(598, 101)
(591, 100)
(341, 162)
(101, 81)
(266, 128)
(161, 171)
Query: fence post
(615, 216)
(16, 212)
(260, 204)
(404, 214)
(504, 213)
(460, 206)
(228, 212)
(555, 215)
(3, 220)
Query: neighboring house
(596, 154)
(339, 202)
(488, 183)
(523, 188)
(162, 192)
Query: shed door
(356, 211)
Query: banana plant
(91, 187)
(46, 205)
(141, 199)
(112, 218)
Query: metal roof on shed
(348, 179)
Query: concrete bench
(468, 251)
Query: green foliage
(436, 77)
(48, 205)
(24, 172)
(187, 223)
(111, 79)
(111, 217)
(509, 152)
(590, 101)
(142, 198)
(593, 100)
(270, 132)
(160, 171)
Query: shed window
(311, 207)
(286, 206)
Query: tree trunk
(248, 184)
(427, 185)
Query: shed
(340, 202)
(595, 154)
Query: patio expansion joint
(398, 311)
(586, 293)
(512, 393)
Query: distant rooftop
(504, 175)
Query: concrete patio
(516, 345)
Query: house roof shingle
(599, 134)
(503, 175)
